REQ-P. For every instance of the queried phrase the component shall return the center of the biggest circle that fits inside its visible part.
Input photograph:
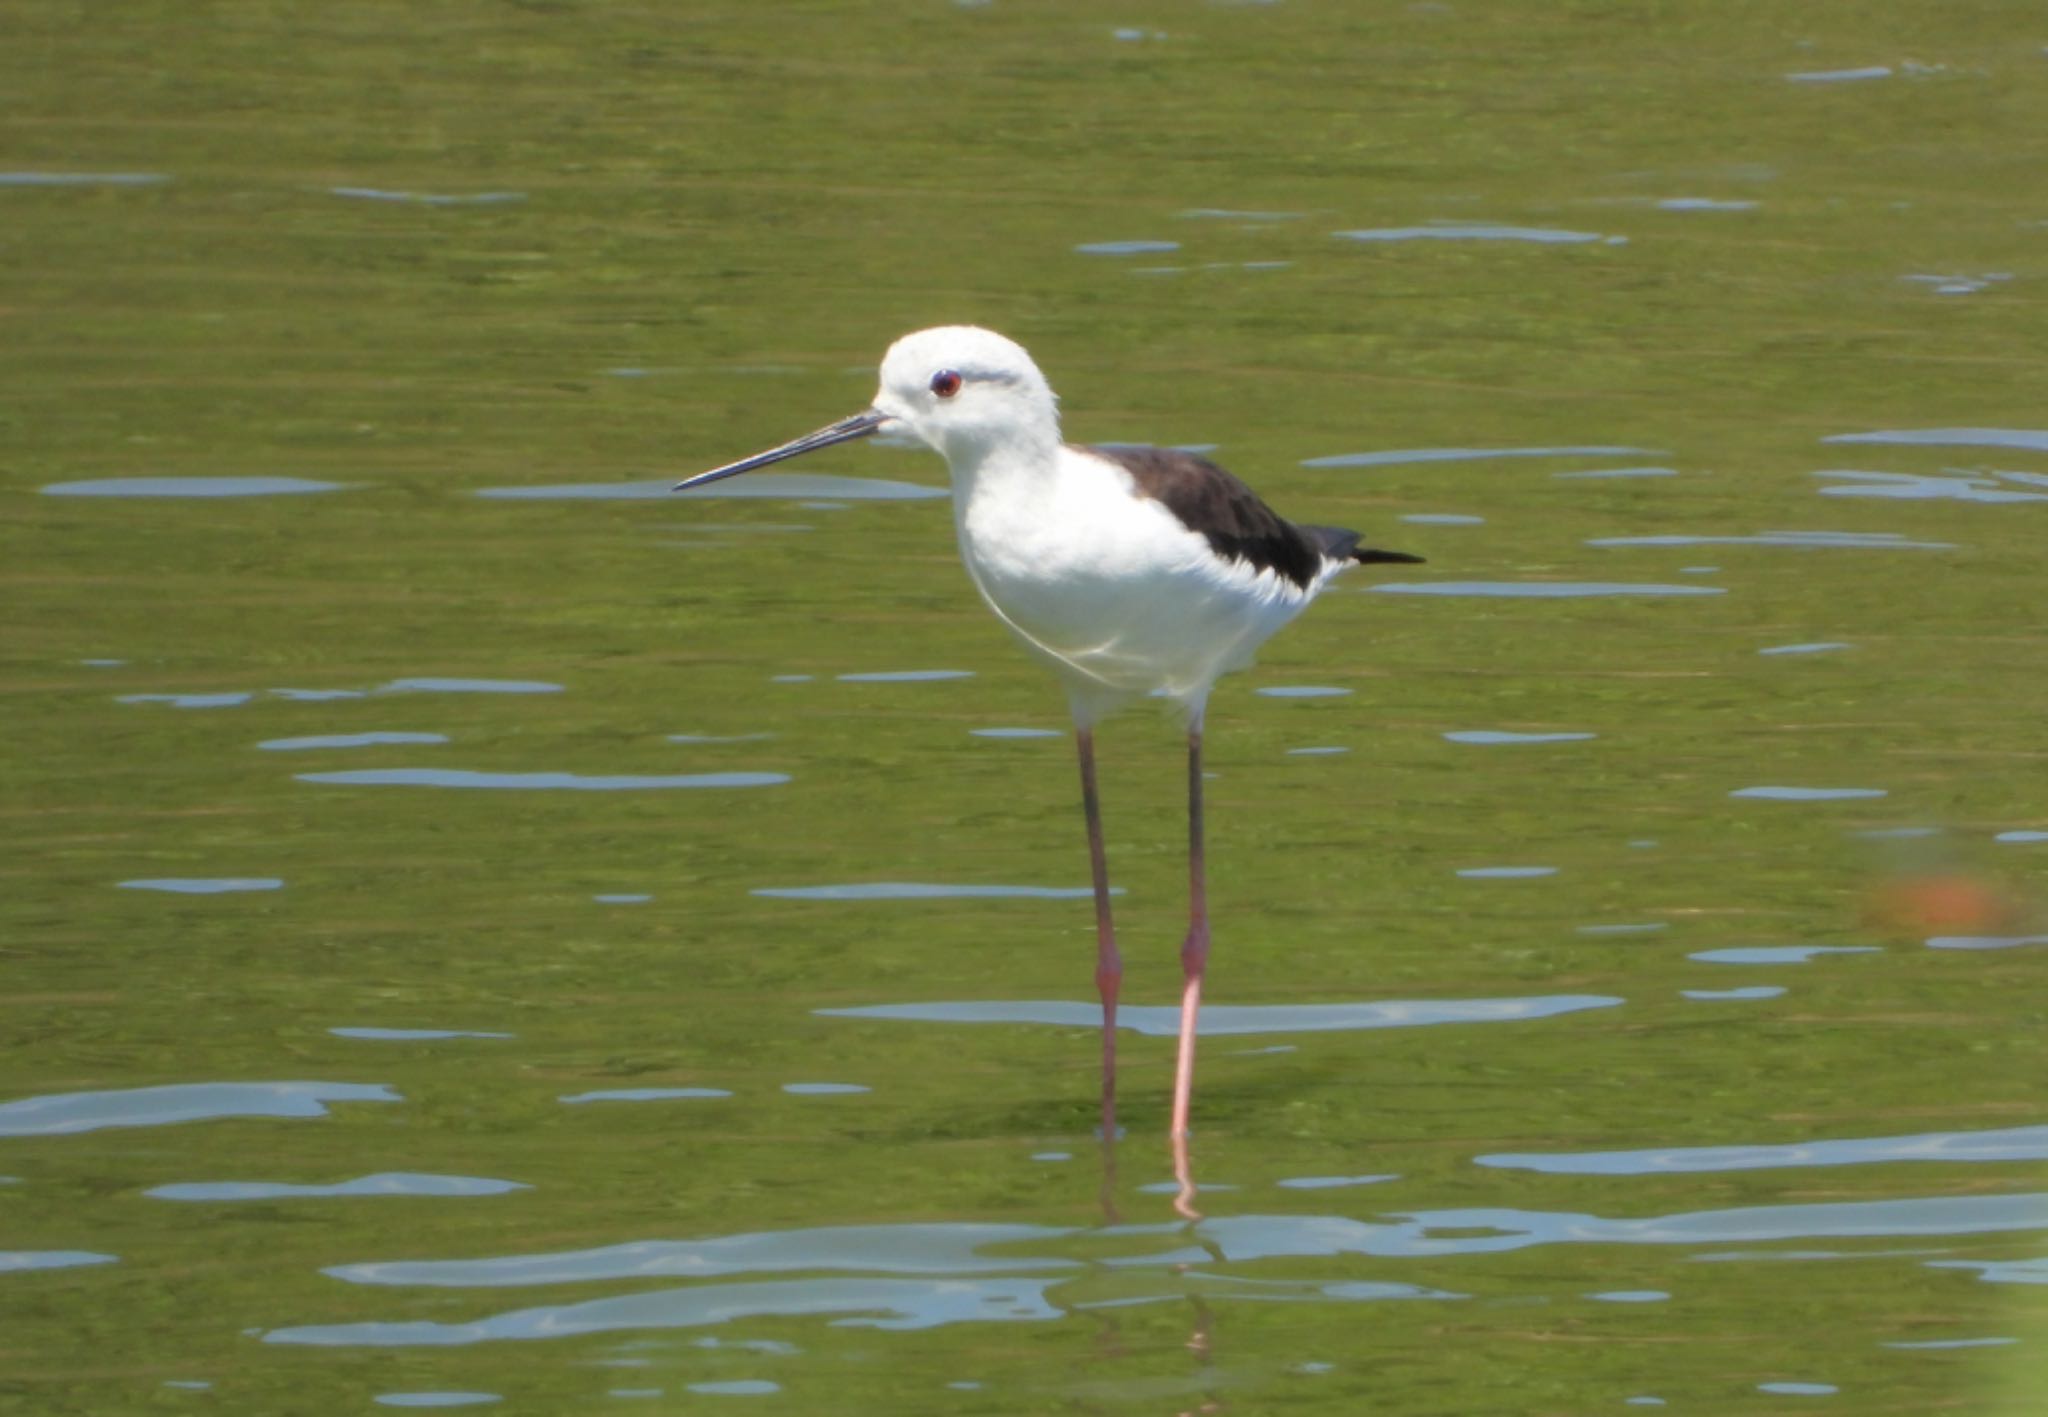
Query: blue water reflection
(1223, 1020)
(64, 1113)
(1778, 954)
(540, 781)
(916, 1276)
(2002, 1144)
(384, 1183)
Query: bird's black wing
(1231, 518)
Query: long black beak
(844, 431)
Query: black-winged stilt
(1127, 570)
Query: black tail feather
(1338, 544)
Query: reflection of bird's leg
(1184, 1177)
(1109, 965)
(1201, 1344)
(1110, 1215)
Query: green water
(740, 207)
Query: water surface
(350, 360)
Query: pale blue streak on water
(1969, 487)
(383, 1183)
(189, 487)
(1479, 231)
(412, 1035)
(924, 890)
(429, 199)
(347, 740)
(64, 1113)
(645, 1094)
(204, 885)
(540, 781)
(824, 1089)
(1778, 954)
(231, 699)
(1809, 794)
(436, 1399)
(2002, 1144)
(12, 1261)
(2034, 439)
(1706, 204)
(1219, 1020)
(2034, 1271)
(1839, 76)
(1126, 248)
(1751, 991)
(82, 179)
(920, 1276)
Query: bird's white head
(960, 390)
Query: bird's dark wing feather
(1230, 516)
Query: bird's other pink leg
(1194, 952)
(1109, 965)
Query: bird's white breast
(1106, 584)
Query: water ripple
(2002, 1144)
(1778, 954)
(1219, 1020)
(539, 781)
(64, 1113)
(347, 740)
(2034, 439)
(924, 890)
(12, 1261)
(384, 1183)
(1809, 794)
(188, 487)
(204, 885)
(1479, 231)
(1914, 487)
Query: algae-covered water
(481, 931)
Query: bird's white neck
(1015, 466)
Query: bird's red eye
(946, 383)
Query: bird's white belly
(1119, 596)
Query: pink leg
(1109, 965)
(1194, 953)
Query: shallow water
(497, 934)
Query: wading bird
(1127, 570)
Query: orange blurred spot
(1941, 904)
